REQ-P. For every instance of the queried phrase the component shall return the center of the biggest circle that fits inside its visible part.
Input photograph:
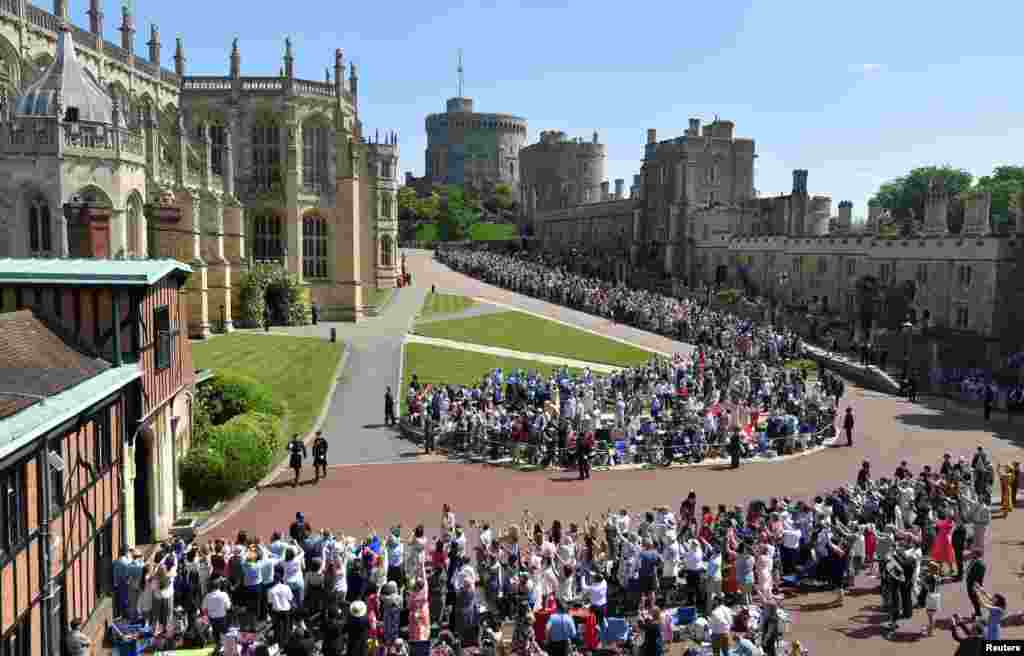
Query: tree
(1004, 182)
(456, 216)
(408, 204)
(906, 196)
(503, 196)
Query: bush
(230, 395)
(233, 458)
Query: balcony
(35, 137)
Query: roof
(37, 363)
(143, 273)
(45, 381)
(66, 83)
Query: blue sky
(855, 92)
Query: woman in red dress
(942, 548)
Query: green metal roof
(48, 271)
(22, 427)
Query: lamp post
(908, 329)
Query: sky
(857, 93)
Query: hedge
(233, 458)
(238, 435)
(230, 395)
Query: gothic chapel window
(39, 236)
(314, 157)
(314, 247)
(266, 156)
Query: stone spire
(95, 18)
(339, 72)
(60, 10)
(289, 59)
(327, 75)
(179, 57)
(236, 60)
(154, 44)
(353, 86)
(127, 29)
(936, 208)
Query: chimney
(694, 130)
(95, 18)
(236, 60)
(179, 57)
(845, 216)
(604, 190)
(652, 136)
(127, 30)
(154, 44)
(620, 186)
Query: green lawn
(436, 304)
(525, 332)
(437, 365)
(375, 296)
(493, 231)
(298, 370)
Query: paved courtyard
(889, 430)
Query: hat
(357, 609)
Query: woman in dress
(419, 608)
(942, 548)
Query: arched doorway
(277, 302)
(88, 212)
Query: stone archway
(88, 214)
(272, 296)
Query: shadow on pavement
(953, 421)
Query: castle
(106, 154)
(695, 218)
(471, 149)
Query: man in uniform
(319, 456)
(297, 453)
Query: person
(319, 456)
(720, 622)
(281, 600)
(990, 399)
(970, 643)
(942, 551)
(561, 631)
(333, 633)
(300, 644)
(1006, 488)
(848, 426)
(583, 447)
(297, 532)
(77, 642)
(357, 629)
(597, 591)
(771, 629)
(297, 451)
(651, 624)
(974, 580)
(959, 545)
(389, 407)
(933, 602)
(996, 606)
(735, 448)
(216, 604)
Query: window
(314, 157)
(883, 272)
(266, 156)
(267, 242)
(314, 247)
(822, 265)
(103, 560)
(19, 640)
(386, 252)
(797, 263)
(707, 232)
(217, 141)
(851, 267)
(386, 168)
(57, 497)
(15, 510)
(165, 332)
(965, 273)
(39, 235)
(962, 318)
(102, 436)
(922, 274)
(386, 207)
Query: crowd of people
(732, 395)
(470, 585)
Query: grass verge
(438, 365)
(376, 296)
(297, 370)
(439, 304)
(519, 331)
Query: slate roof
(36, 363)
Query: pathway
(509, 353)
(355, 419)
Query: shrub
(230, 395)
(233, 457)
